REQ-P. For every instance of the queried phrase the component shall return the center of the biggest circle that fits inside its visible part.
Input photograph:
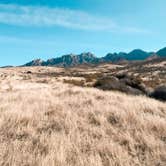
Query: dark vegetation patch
(49, 127)
(123, 83)
(159, 93)
(89, 77)
(51, 74)
(74, 82)
(94, 120)
(114, 120)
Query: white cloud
(44, 16)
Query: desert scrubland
(46, 120)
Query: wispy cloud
(14, 39)
(43, 16)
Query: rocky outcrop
(67, 60)
(36, 62)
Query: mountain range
(89, 58)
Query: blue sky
(50, 28)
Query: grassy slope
(60, 125)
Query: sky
(31, 29)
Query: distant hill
(162, 52)
(114, 57)
(138, 54)
(9, 66)
(36, 62)
(89, 58)
(72, 60)
(66, 60)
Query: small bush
(29, 72)
(159, 93)
(113, 83)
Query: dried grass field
(46, 122)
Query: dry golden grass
(56, 124)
